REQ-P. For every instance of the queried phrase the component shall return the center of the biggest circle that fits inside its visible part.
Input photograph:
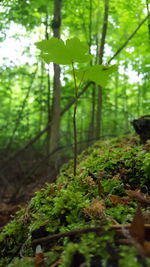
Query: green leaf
(98, 73)
(55, 50)
(77, 51)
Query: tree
(100, 55)
(55, 122)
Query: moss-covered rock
(97, 196)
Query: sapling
(69, 53)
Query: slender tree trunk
(69, 128)
(91, 125)
(148, 12)
(48, 111)
(101, 53)
(48, 90)
(125, 104)
(91, 130)
(116, 103)
(21, 111)
(90, 26)
(55, 124)
(41, 87)
(138, 99)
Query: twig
(116, 227)
(65, 234)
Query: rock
(142, 127)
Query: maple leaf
(139, 196)
(137, 227)
(96, 209)
(146, 248)
(116, 200)
(55, 50)
(74, 51)
(98, 73)
(137, 231)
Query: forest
(75, 131)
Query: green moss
(61, 207)
(122, 214)
(128, 257)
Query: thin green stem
(74, 121)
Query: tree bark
(55, 122)
(148, 12)
(101, 53)
(91, 130)
(48, 90)
(116, 103)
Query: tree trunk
(55, 124)
(101, 53)
(90, 135)
(116, 103)
(91, 130)
(148, 12)
(48, 91)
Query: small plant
(71, 53)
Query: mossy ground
(105, 171)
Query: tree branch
(117, 227)
(130, 37)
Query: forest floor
(100, 218)
(18, 192)
(9, 204)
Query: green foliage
(98, 73)
(128, 257)
(75, 51)
(54, 50)
(26, 262)
(62, 206)
(13, 236)
(131, 98)
(90, 246)
(122, 214)
(123, 100)
(146, 164)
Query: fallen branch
(117, 228)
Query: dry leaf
(39, 260)
(96, 209)
(116, 177)
(89, 181)
(39, 257)
(100, 188)
(139, 196)
(146, 248)
(137, 227)
(146, 216)
(119, 200)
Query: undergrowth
(97, 196)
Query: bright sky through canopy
(12, 50)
